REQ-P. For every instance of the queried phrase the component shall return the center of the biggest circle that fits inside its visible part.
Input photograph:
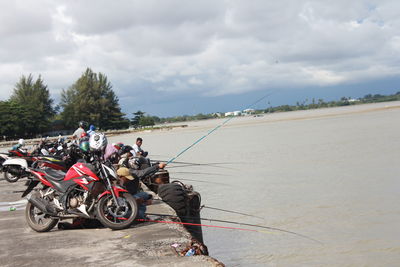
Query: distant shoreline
(249, 119)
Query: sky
(172, 58)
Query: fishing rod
(237, 223)
(213, 130)
(208, 182)
(230, 211)
(199, 224)
(189, 164)
(194, 163)
(199, 165)
(203, 173)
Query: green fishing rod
(213, 130)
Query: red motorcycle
(86, 191)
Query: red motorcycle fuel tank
(78, 170)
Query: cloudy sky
(186, 57)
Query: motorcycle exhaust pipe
(42, 205)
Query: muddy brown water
(331, 174)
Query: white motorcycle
(13, 168)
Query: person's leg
(143, 196)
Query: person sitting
(78, 132)
(130, 180)
(91, 130)
(137, 151)
(20, 146)
(111, 152)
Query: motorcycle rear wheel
(107, 212)
(37, 220)
(10, 177)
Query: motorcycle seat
(55, 175)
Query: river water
(332, 175)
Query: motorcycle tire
(35, 219)
(109, 220)
(10, 178)
(174, 195)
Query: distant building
(249, 111)
(353, 100)
(233, 113)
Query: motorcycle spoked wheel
(38, 220)
(112, 217)
(11, 178)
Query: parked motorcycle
(86, 190)
(15, 164)
(3, 158)
(17, 161)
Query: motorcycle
(16, 162)
(85, 191)
(3, 158)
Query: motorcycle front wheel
(11, 178)
(114, 217)
(38, 220)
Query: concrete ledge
(144, 244)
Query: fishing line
(198, 224)
(193, 163)
(203, 173)
(208, 182)
(200, 165)
(239, 223)
(230, 211)
(213, 130)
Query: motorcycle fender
(117, 191)
(20, 162)
(32, 184)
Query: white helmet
(21, 142)
(97, 142)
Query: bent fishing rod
(231, 222)
(214, 129)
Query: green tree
(92, 99)
(37, 105)
(15, 120)
(146, 121)
(137, 116)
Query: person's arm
(75, 135)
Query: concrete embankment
(143, 244)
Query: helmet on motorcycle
(98, 142)
(21, 142)
(83, 135)
(84, 146)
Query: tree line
(304, 105)
(31, 112)
(320, 103)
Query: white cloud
(205, 47)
